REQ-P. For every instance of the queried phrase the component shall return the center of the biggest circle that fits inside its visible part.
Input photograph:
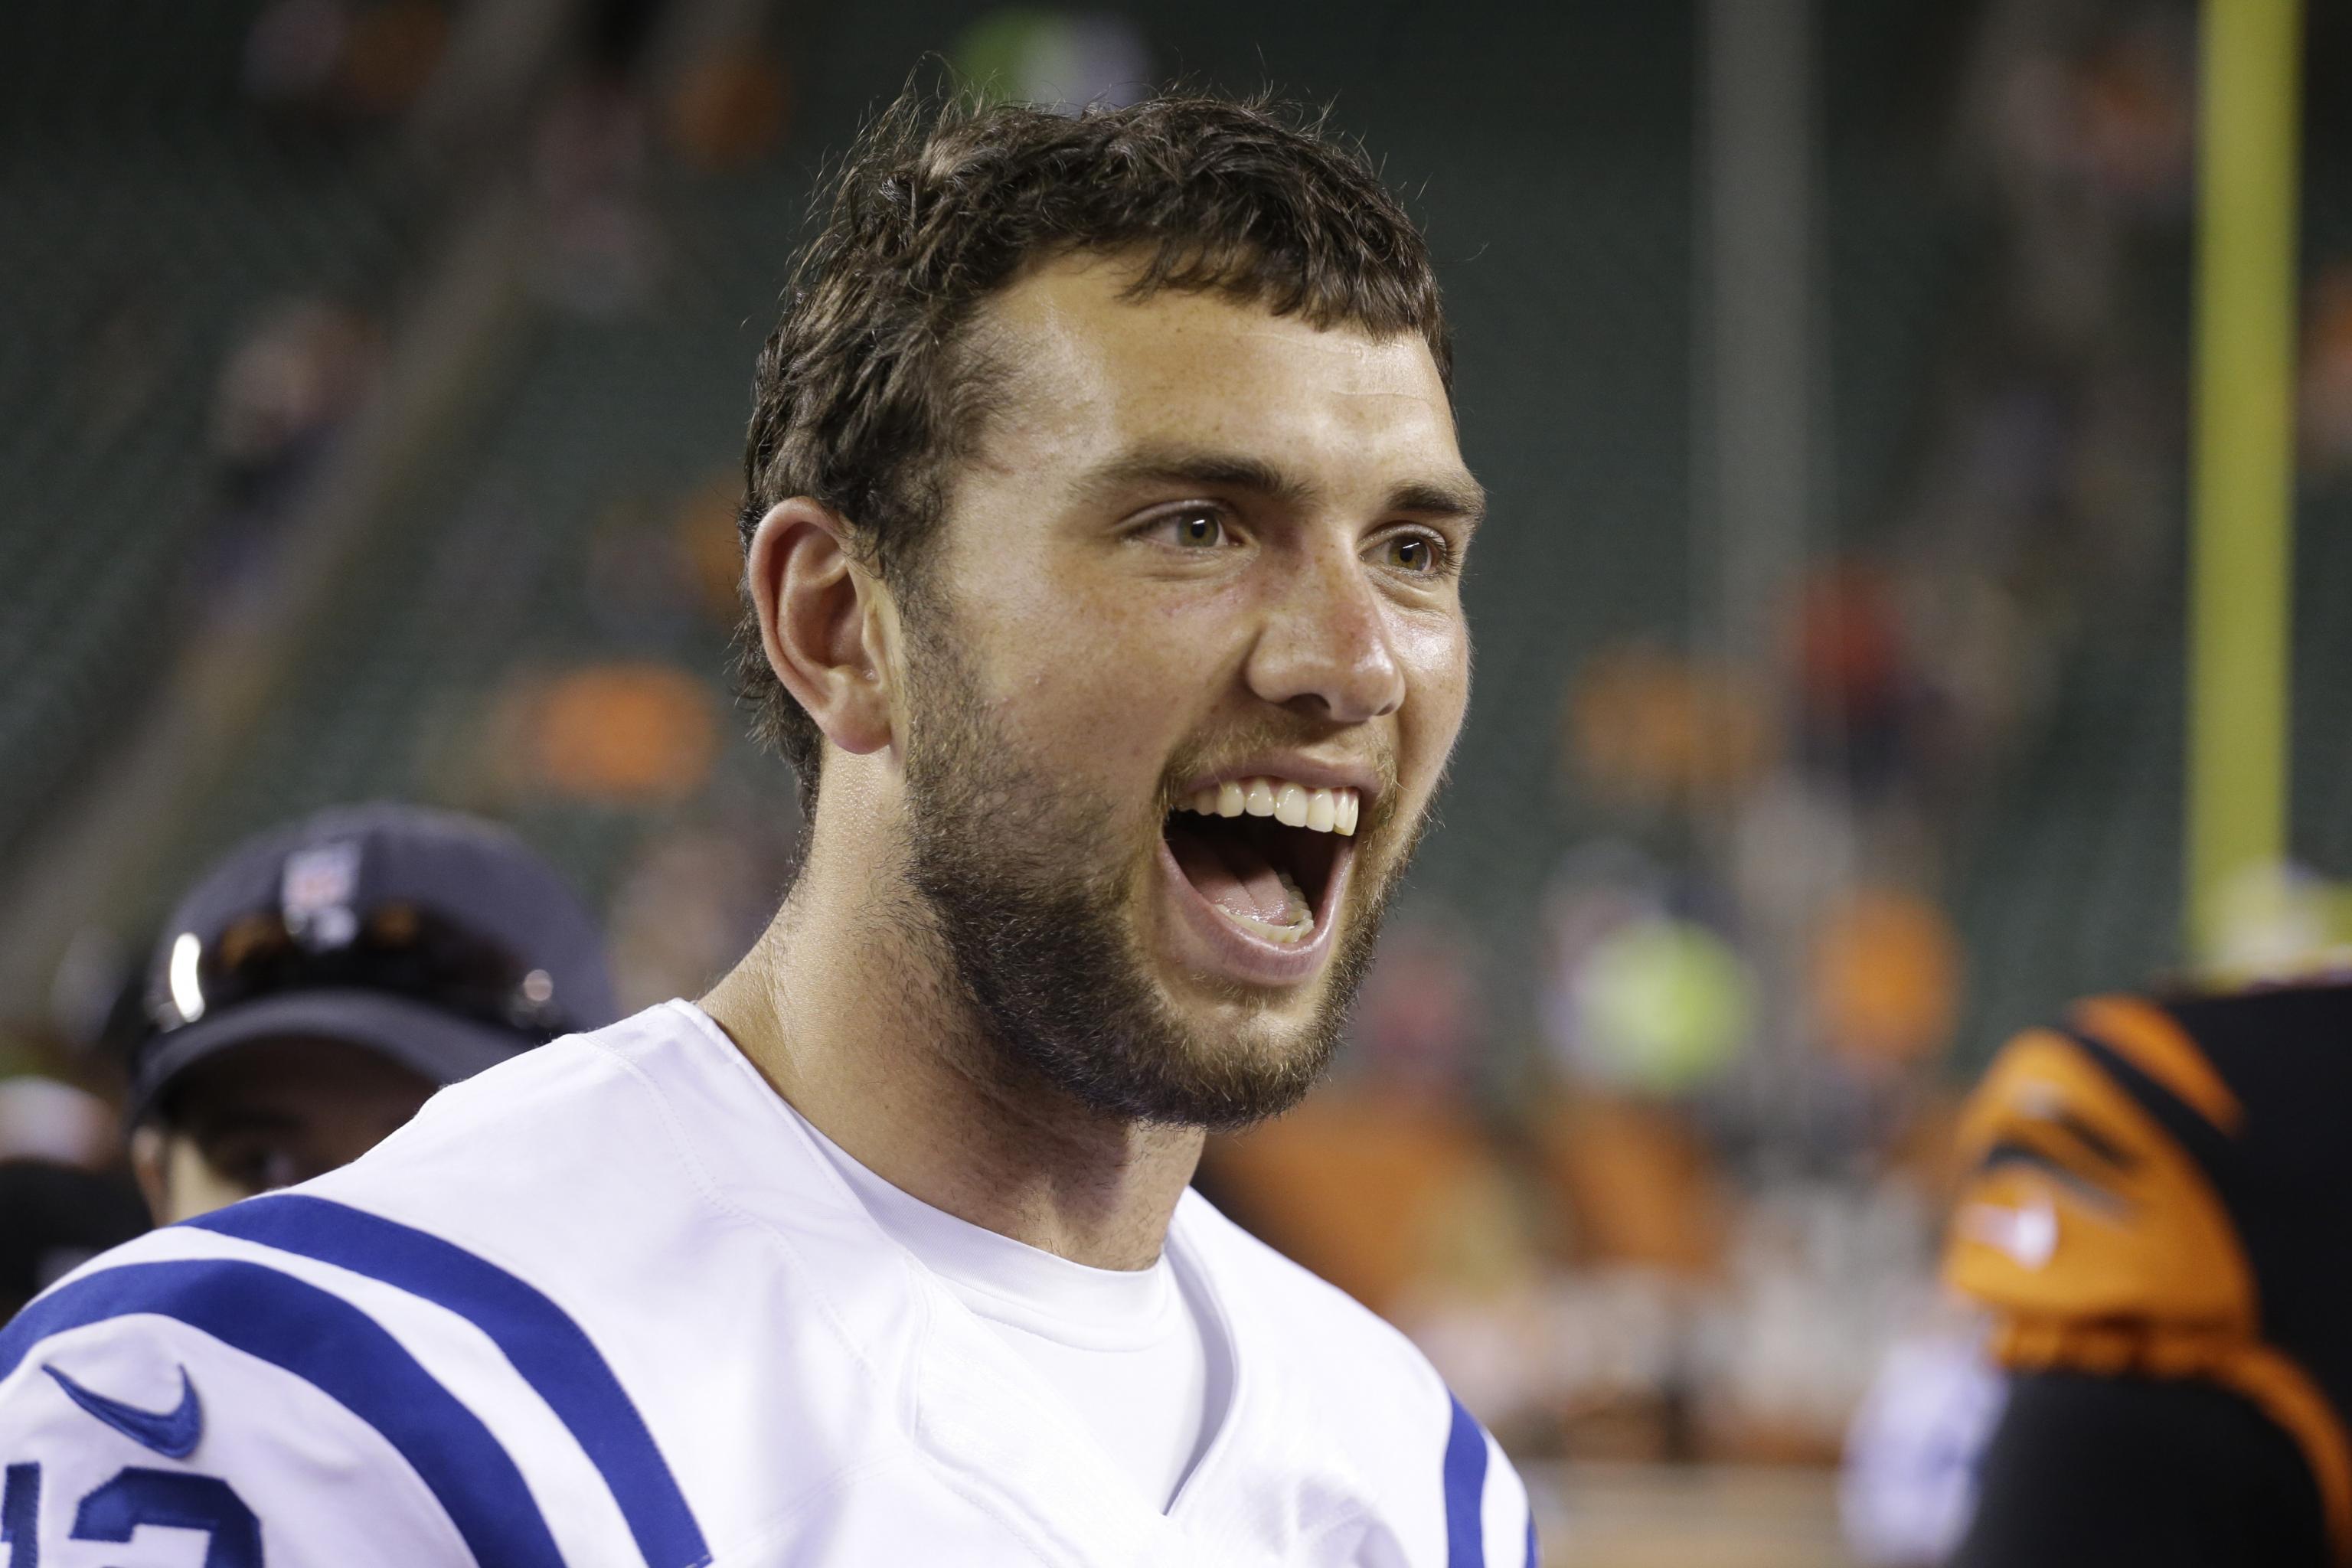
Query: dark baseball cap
(435, 939)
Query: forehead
(1090, 372)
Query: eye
(1414, 554)
(256, 1163)
(1192, 528)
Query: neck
(856, 1020)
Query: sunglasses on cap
(399, 947)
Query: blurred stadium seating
(1574, 235)
(151, 220)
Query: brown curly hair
(869, 389)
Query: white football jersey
(606, 1305)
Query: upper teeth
(1295, 805)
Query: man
(321, 982)
(1102, 540)
(2157, 1218)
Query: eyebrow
(1453, 496)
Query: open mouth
(1266, 855)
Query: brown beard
(1025, 887)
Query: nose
(1325, 649)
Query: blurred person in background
(323, 980)
(2156, 1218)
(53, 1220)
(1103, 530)
(63, 1198)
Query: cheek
(1436, 659)
(1103, 689)
(195, 1187)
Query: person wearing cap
(319, 983)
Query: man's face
(1203, 557)
(269, 1114)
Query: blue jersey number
(20, 1516)
(133, 1498)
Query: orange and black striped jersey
(2162, 1191)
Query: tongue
(1233, 875)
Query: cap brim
(440, 1045)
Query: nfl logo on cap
(316, 892)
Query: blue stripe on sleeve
(1534, 1549)
(553, 1354)
(342, 1352)
(1466, 1487)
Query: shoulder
(591, 1157)
(363, 1391)
(2203, 1065)
(565, 1102)
(2160, 1161)
(181, 1380)
(2089, 1193)
(1366, 1394)
(480, 1325)
(2146, 1186)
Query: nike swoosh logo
(171, 1433)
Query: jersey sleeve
(141, 1418)
(2159, 1474)
(296, 1414)
(1489, 1518)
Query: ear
(823, 623)
(150, 1154)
